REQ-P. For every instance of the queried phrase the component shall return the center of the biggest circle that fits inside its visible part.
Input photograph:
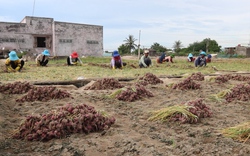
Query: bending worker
(73, 59)
(116, 61)
(201, 60)
(13, 63)
(43, 58)
(145, 60)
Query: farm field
(132, 133)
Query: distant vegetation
(207, 44)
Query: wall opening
(41, 42)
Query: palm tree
(130, 43)
(177, 46)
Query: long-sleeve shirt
(200, 61)
(190, 57)
(116, 60)
(74, 60)
(41, 58)
(17, 64)
(143, 59)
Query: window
(65, 40)
(41, 42)
(12, 40)
(92, 42)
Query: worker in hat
(190, 57)
(43, 58)
(201, 60)
(209, 58)
(116, 61)
(73, 59)
(145, 60)
(13, 63)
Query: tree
(130, 43)
(158, 48)
(208, 45)
(123, 49)
(177, 46)
(211, 45)
(136, 51)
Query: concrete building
(242, 50)
(34, 34)
(238, 50)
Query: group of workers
(202, 59)
(14, 64)
(145, 60)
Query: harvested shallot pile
(197, 76)
(149, 78)
(190, 112)
(133, 93)
(16, 88)
(227, 77)
(105, 83)
(63, 122)
(44, 94)
(238, 77)
(187, 84)
(221, 79)
(239, 92)
(199, 108)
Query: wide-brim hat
(203, 53)
(116, 53)
(190, 55)
(46, 52)
(74, 55)
(146, 51)
(13, 56)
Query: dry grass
(240, 132)
(165, 114)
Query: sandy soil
(132, 134)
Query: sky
(149, 21)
